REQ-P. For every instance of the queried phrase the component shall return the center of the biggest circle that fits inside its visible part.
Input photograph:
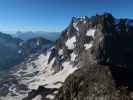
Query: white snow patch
(73, 56)
(50, 96)
(70, 42)
(60, 76)
(60, 52)
(10, 97)
(84, 22)
(45, 74)
(91, 32)
(75, 25)
(55, 92)
(88, 46)
(38, 43)
(21, 44)
(39, 97)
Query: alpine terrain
(14, 50)
(91, 60)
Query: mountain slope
(14, 50)
(105, 60)
(90, 60)
(34, 45)
(9, 48)
(52, 36)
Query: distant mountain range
(30, 34)
(9, 47)
(13, 49)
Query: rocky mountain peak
(100, 40)
(84, 33)
(103, 43)
(102, 33)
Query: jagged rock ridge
(100, 47)
(109, 43)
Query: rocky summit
(91, 60)
(102, 48)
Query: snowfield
(88, 46)
(91, 32)
(70, 42)
(73, 56)
(75, 26)
(37, 72)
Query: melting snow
(75, 26)
(10, 97)
(60, 52)
(60, 76)
(70, 42)
(85, 22)
(39, 97)
(91, 32)
(88, 46)
(45, 74)
(73, 56)
(38, 43)
(50, 96)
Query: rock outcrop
(92, 82)
(104, 53)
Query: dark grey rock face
(106, 67)
(113, 45)
(40, 91)
(92, 82)
(101, 47)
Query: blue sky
(55, 15)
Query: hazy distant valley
(52, 36)
(15, 48)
